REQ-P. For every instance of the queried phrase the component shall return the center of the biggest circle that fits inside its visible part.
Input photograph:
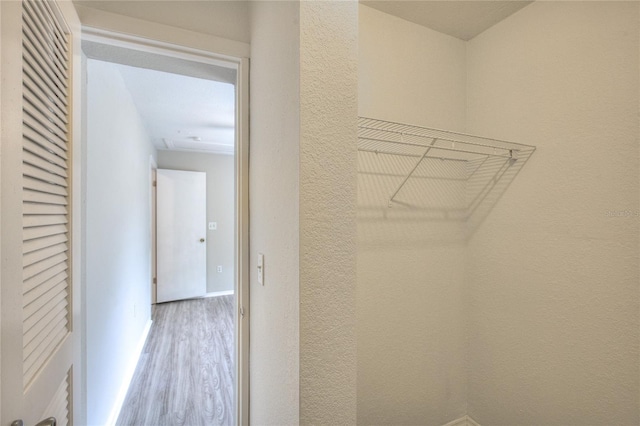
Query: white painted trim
(136, 43)
(242, 314)
(128, 376)
(122, 27)
(219, 293)
(462, 421)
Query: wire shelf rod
(362, 123)
(450, 210)
(454, 141)
(377, 151)
(397, 175)
(490, 184)
(435, 147)
(477, 168)
(412, 170)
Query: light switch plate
(213, 226)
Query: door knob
(202, 240)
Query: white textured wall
(220, 170)
(410, 73)
(411, 328)
(302, 184)
(328, 117)
(273, 185)
(553, 314)
(118, 232)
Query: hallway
(185, 373)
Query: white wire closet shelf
(447, 174)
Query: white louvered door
(36, 316)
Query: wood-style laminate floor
(185, 373)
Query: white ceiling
(194, 114)
(228, 18)
(463, 19)
(458, 18)
(183, 113)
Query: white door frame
(241, 285)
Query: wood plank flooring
(185, 373)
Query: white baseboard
(463, 421)
(219, 293)
(128, 376)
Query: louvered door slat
(43, 153)
(40, 243)
(45, 61)
(34, 282)
(58, 33)
(45, 187)
(38, 255)
(43, 175)
(45, 48)
(37, 274)
(43, 22)
(44, 108)
(35, 92)
(38, 324)
(41, 197)
(43, 265)
(44, 53)
(45, 165)
(32, 208)
(34, 23)
(38, 185)
(36, 359)
(44, 220)
(39, 88)
(45, 74)
(42, 59)
(42, 129)
(51, 301)
(59, 405)
(35, 137)
(43, 231)
(44, 326)
(32, 295)
(44, 120)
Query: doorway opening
(152, 107)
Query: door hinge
(155, 280)
(155, 183)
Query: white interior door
(181, 222)
(38, 337)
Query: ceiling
(458, 18)
(183, 113)
(463, 19)
(197, 114)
